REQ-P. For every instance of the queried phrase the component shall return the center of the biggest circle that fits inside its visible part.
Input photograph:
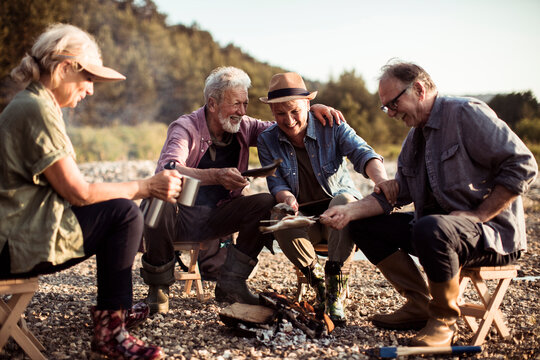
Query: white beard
(227, 123)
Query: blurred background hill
(166, 65)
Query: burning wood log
(274, 309)
(247, 314)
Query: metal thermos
(155, 205)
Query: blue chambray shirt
(468, 151)
(327, 148)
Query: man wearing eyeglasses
(465, 172)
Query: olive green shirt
(37, 224)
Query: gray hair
(224, 78)
(407, 73)
(48, 50)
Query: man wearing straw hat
(212, 144)
(314, 171)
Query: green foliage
(118, 142)
(535, 149)
(361, 109)
(254, 157)
(21, 21)
(529, 130)
(515, 106)
(165, 68)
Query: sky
(468, 47)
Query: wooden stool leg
(192, 268)
(193, 273)
(10, 314)
(469, 320)
(492, 312)
(488, 312)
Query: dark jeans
(200, 223)
(112, 230)
(443, 243)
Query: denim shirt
(468, 151)
(327, 147)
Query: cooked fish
(289, 222)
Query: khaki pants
(297, 244)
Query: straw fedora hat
(286, 87)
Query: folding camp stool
(12, 323)
(302, 281)
(193, 274)
(488, 311)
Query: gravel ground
(58, 314)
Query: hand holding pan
(264, 171)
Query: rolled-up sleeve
(355, 148)
(491, 141)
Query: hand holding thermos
(188, 194)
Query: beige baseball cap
(94, 65)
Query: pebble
(58, 313)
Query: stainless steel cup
(190, 189)
(153, 212)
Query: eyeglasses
(392, 104)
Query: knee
(265, 201)
(429, 233)
(131, 210)
(128, 215)
(342, 199)
(357, 231)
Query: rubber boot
(401, 271)
(231, 286)
(336, 291)
(158, 279)
(443, 315)
(111, 340)
(315, 277)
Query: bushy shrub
(529, 130)
(118, 142)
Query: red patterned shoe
(136, 315)
(112, 341)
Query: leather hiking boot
(401, 271)
(231, 286)
(157, 299)
(158, 279)
(443, 314)
(336, 290)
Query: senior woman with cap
(51, 217)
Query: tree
(21, 21)
(515, 106)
